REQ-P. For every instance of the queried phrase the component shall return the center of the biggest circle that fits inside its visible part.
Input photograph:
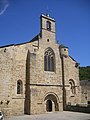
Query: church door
(49, 105)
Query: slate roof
(63, 46)
(34, 39)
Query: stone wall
(71, 72)
(84, 109)
(85, 91)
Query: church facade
(38, 76)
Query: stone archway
(51, 103)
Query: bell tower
(47, 28)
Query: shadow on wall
(27, 86)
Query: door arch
(51, 102)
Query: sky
(20, 22)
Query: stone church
(38, 76)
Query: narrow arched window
(19, 87)
(48, 25)
(72, 86)
(49, 60)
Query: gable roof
(34, 39)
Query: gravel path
(53, 116)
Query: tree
(84, 73)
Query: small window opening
(47, 40)
(5, 50)
(76, 65)
(64, 49)
(72, 86)
(19, 87)
(48, 25)
(35, 50)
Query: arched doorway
(51, 103)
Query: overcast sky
(20, 22)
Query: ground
(54, 116)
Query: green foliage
(84, 73)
